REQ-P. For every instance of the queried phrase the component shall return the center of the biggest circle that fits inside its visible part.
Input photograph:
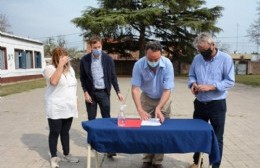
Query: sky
(40, 19)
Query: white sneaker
(70, 158)
(55, 162)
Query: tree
(254, 30)
(174, 22)
(49, 45)
(4, 25)
(59, 41)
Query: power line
(245, 36)
(59, 35)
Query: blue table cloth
(173, 136)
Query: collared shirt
(153, 84)
(61, 100)
(97, 72)
(218, 72)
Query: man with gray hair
(154, 75)
(211, 75)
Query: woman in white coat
(60, 104)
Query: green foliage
(174, 22)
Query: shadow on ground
(38, 143)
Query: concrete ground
(24, 130)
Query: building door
(241, 69)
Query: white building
(20, 58)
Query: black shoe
(147, 165)
(110, 155)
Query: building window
(23, 59)
(19, 59)
(37, 59)
(3, 60)
(28, 59)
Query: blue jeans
(102, 99)
(215, 112)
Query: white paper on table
(151, 122)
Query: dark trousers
(215, 112)
(101, 98)
(59, 127)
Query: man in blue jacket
(97, 74)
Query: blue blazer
(86, 78)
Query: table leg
(96, 156)
(88, 156)
(200, 158)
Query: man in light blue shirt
(154, 76)
(211, 75)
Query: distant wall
(125, 67)
(75, 64)
(254, 68)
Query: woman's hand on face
(63, 60)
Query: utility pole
(237, 39)
(84, 42)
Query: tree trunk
(142, 42)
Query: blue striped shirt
(153, 84)
(218, 72)
(97, 72)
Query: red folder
(133, 122)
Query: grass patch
(252, 80)
(21, 87)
